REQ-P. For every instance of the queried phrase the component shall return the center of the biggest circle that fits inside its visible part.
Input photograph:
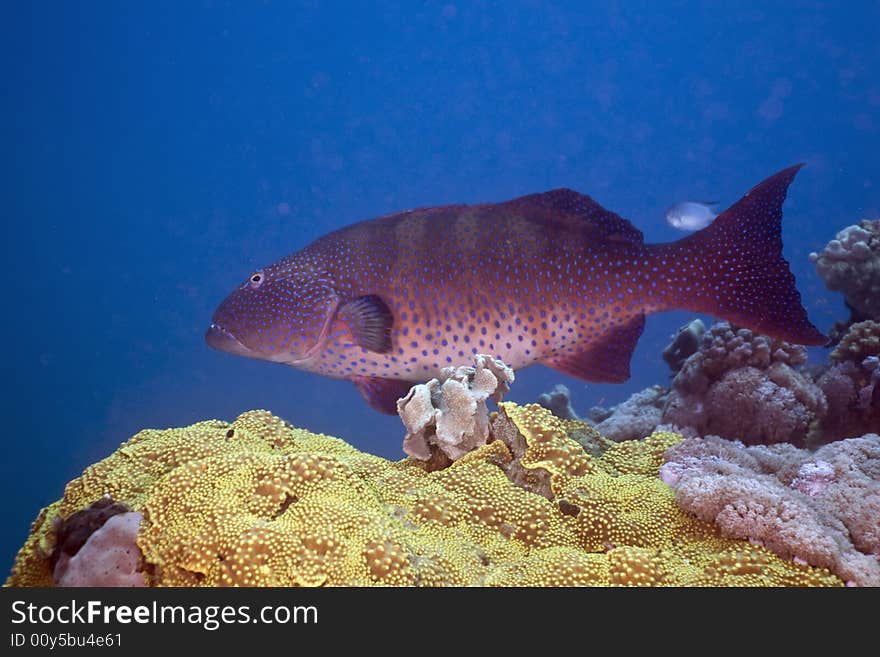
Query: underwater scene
(442, 294)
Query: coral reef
(852, 392)
(744, 386)
(851, 384)
(850, 264)
(632, 419)
(861, 341)
(449, 414)
(558, 402)
(819, 507)
(110, 556)
(72, 532)
(635, 418)
(258, 502)
(684, 343)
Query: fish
(691, 215)
(551, 278)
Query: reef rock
(558, 402)
(684, 343)
(635, 418)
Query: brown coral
(744, 386)
(850, 264)
(852, 384)
(258, 502)
(861, 341)
(853, 394)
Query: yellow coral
(546, 437)
(632, 566)
(259, 502)
(639, 457)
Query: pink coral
(110, 556)
(819, 507)
(814, 478)
(744, 386)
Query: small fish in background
(691, 215)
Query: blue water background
(157, 152)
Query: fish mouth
(220, 339)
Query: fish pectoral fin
(369, 318)
(604, 361)
(382, 394)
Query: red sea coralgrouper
(550, 278)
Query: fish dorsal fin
(605, 360)
(575, 211)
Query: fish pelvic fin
(734, 268)
(382, 394)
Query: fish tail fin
(734, 268)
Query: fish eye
(255, 280)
